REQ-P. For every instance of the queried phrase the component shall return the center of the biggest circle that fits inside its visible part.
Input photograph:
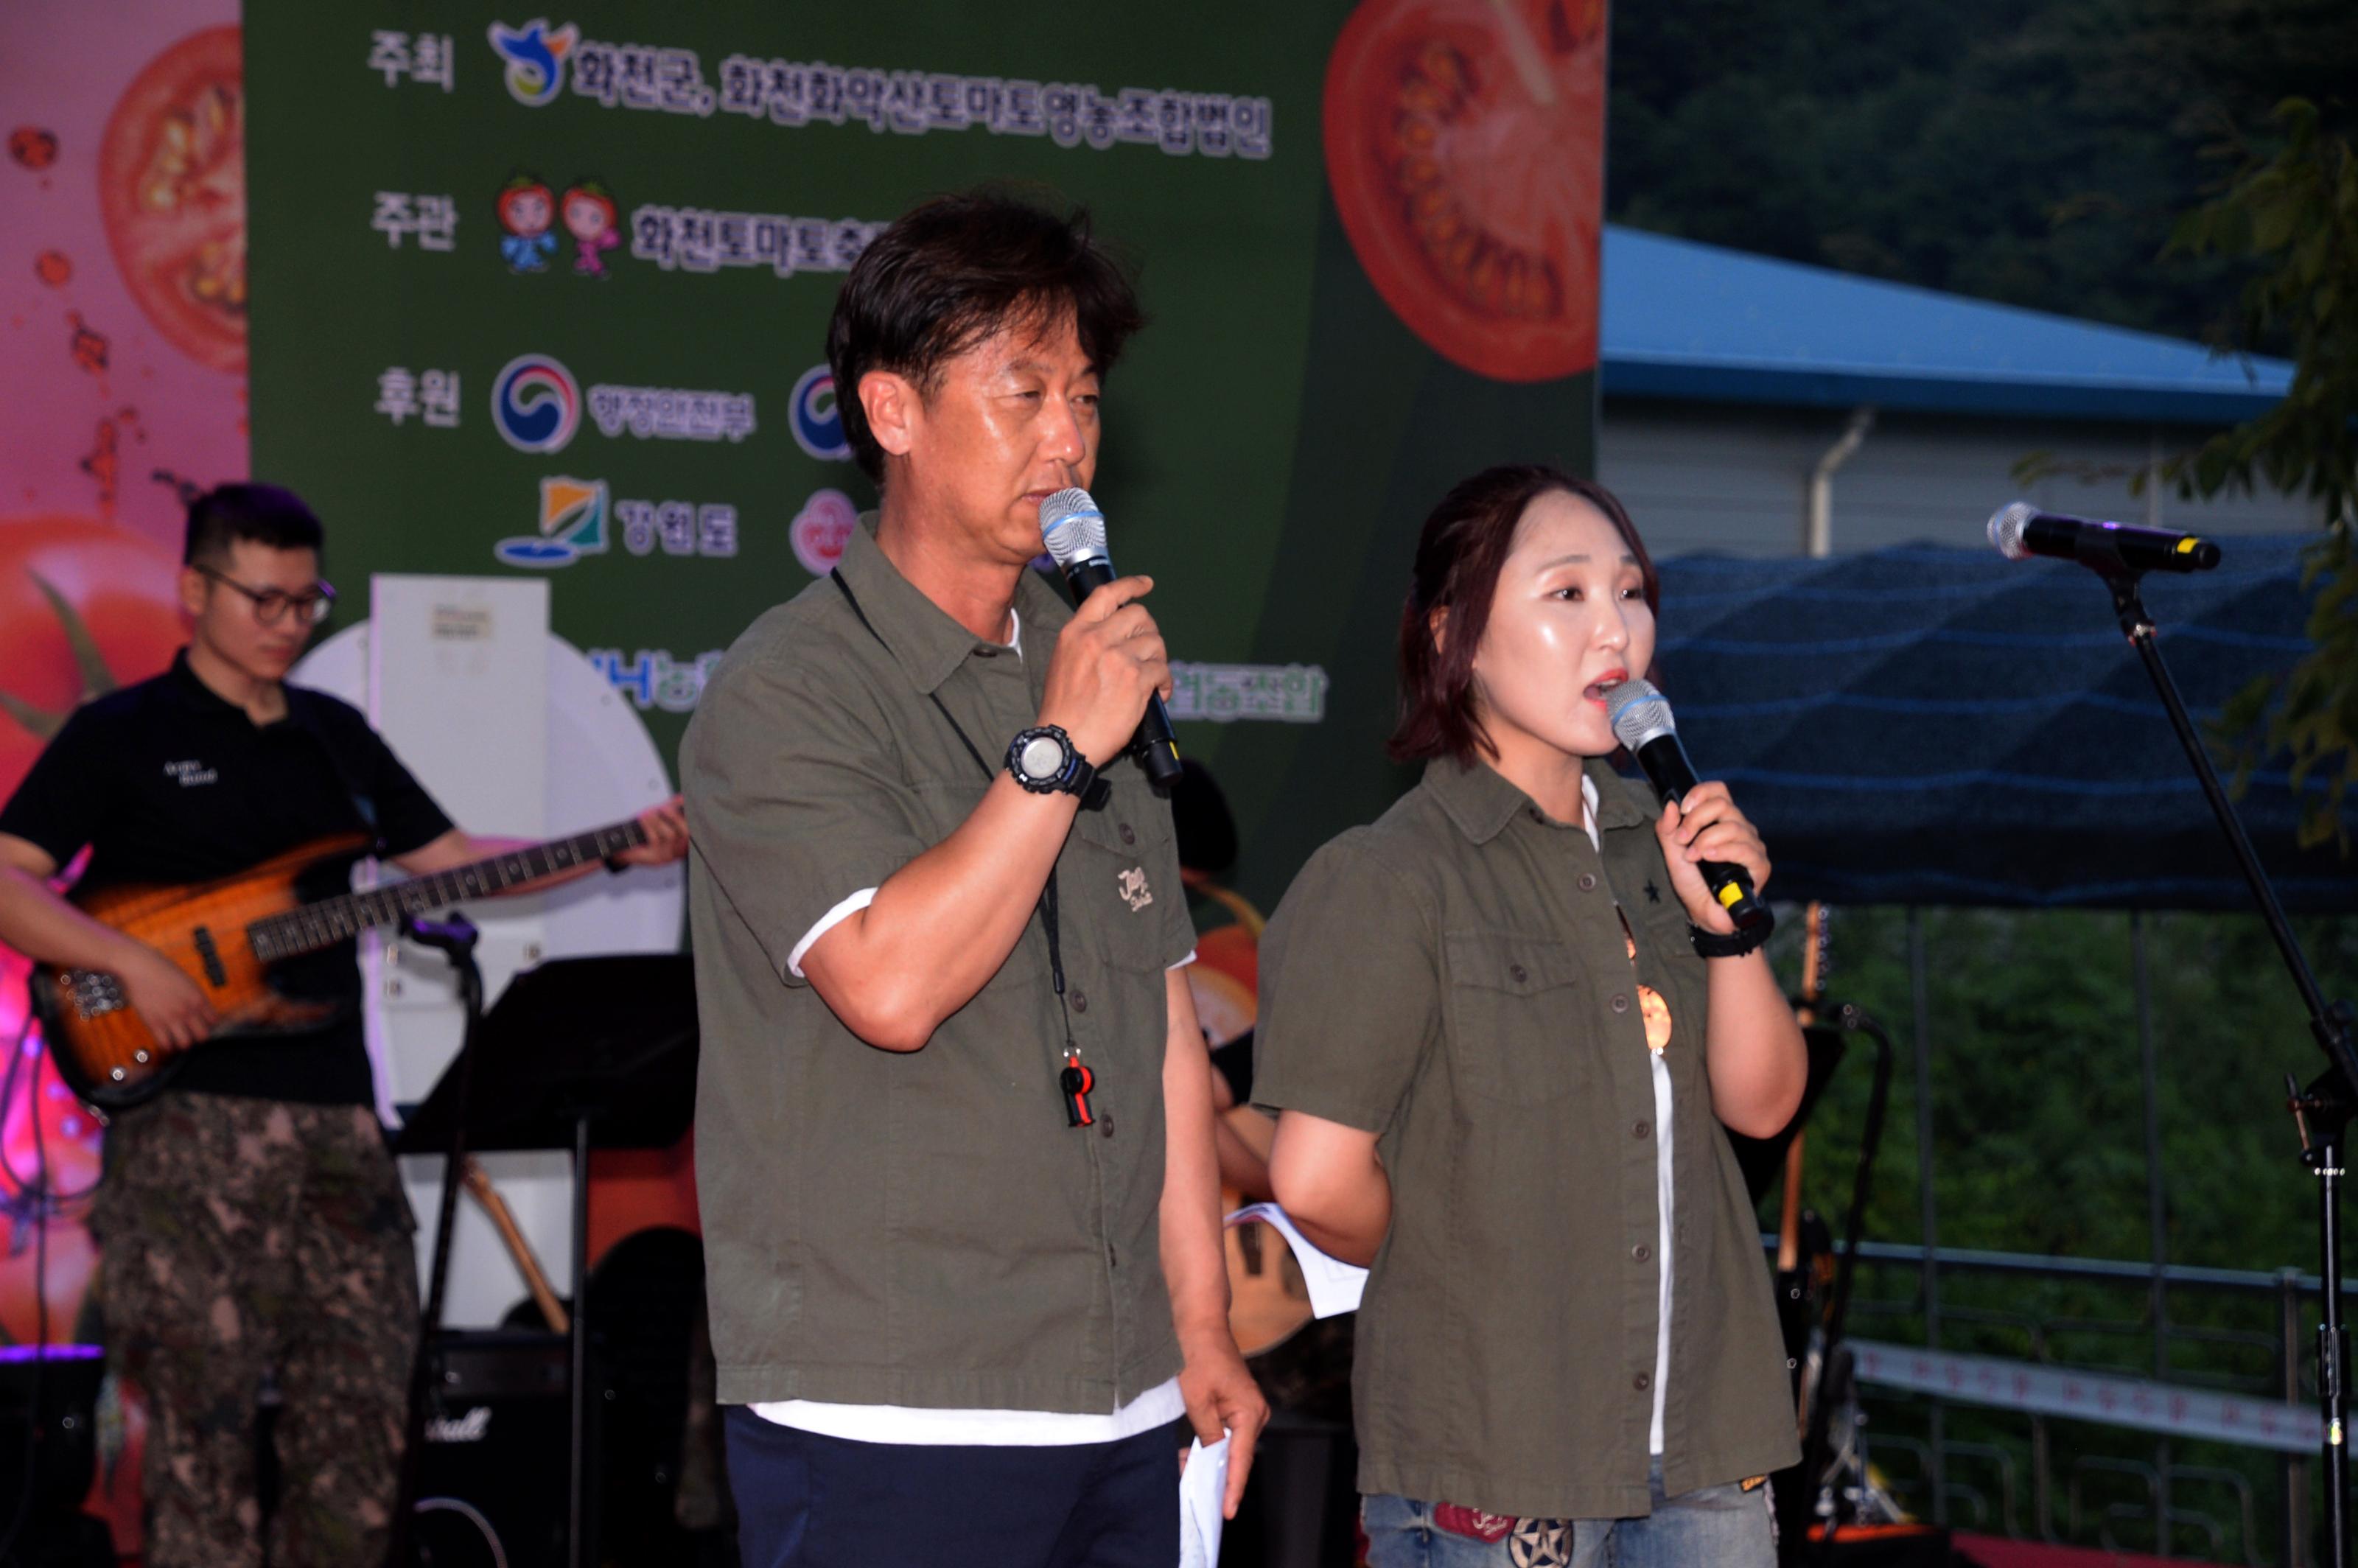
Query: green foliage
(2036, 152)
(2292, 208)
(2038, 1112)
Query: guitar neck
(333, 920)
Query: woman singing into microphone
(1502, 1064)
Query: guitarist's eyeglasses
(271, 604)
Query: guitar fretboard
(334, 920)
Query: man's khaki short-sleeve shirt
(1455, 978)
(924, 1228)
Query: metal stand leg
(455, 939)
(576, 1504)
(2333, 1348)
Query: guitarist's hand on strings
(167, 1001)
(666, 827)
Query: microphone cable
(37, 1190)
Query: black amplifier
(62, 1436)
(491, 1480)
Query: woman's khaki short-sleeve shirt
(1455, 978)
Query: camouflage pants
(245, 1239)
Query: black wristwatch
(1044, 761)
(1734, 944)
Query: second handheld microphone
(1642, 722)
(1074, 530)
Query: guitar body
(103, 1048)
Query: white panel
(459, 684)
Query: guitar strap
(302, 707)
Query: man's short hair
(264, 514)
(956, 269)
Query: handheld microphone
(2021, 530)
(1074, 530)
(1642, 722)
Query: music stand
(578, 1053)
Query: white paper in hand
(1202, 1487)
(1334, 1285)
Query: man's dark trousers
(808, 1501)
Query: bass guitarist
(251, 1225)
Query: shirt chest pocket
(1111, 880)
(1516, 1015)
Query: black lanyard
(1075, 1082)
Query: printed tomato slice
(1466, 148)
(171, 175)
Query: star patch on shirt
(1653, 893)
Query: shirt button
(1081, 1001)
(1588, 882)
(1620, 1002)
(1126, 836)
(1641, 1252)
(1104, 1124)
(1639, 1130)
(1642, 1381)
(1517, 973)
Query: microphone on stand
(1642, 722)
(2021, 531)
(1074, 530)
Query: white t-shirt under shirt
(1661, 1179)
(1158, 1406)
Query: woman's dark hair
(264, 514)
(956, 269)
(1458, 556)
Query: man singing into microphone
(954, 1141)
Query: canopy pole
(2157, 1209)
(1919, 987)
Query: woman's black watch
(1044, 761)
(1734, 944)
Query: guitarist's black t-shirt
(166, 783)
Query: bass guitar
(225, 935)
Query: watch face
(1042, 757)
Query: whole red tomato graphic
(1465, 149)
(171, 181)
(84, 607)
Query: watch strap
(1734, 944)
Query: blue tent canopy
(1690, 320)
(1928, 724)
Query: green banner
(547, 294)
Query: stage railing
(1976, 1465)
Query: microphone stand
(2321, 1112)
(454, 937)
